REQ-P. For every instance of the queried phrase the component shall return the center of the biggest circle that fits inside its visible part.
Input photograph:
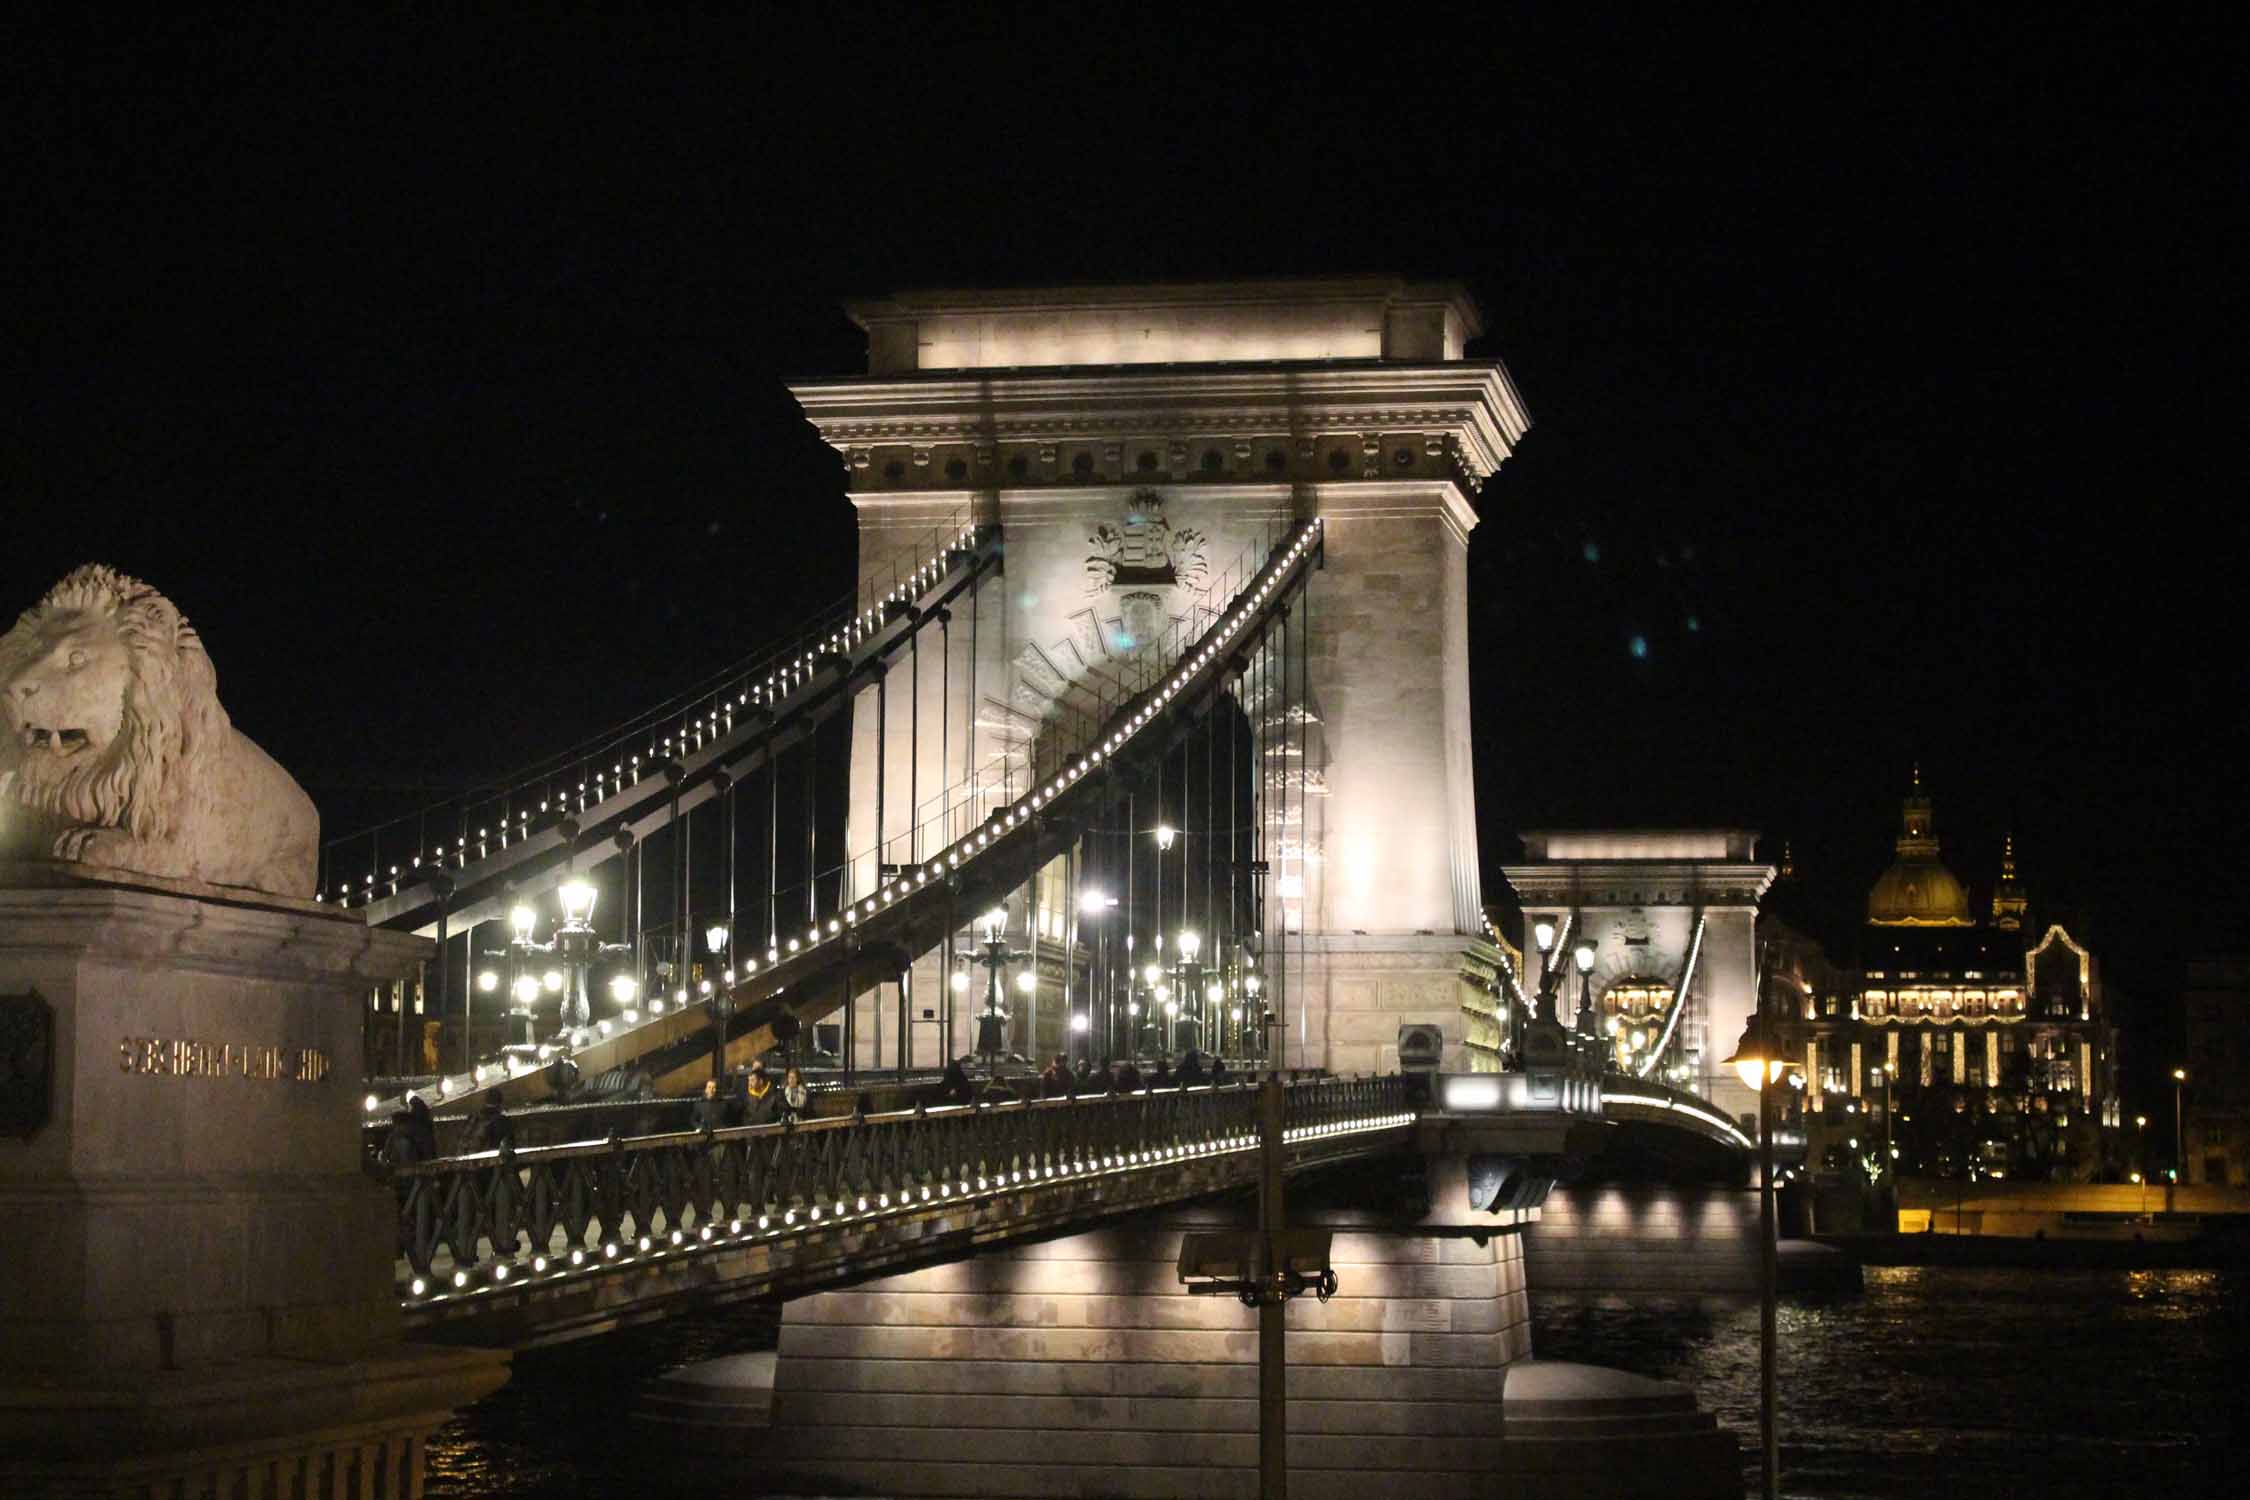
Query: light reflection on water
(2065, 1385)
(1998, 1383)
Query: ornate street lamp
(718, 1000)
(579, 947)
(1583, 957)
(1093, 905)
(2179, 1138)
(1758, 1062)
(993, 957)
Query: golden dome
(1918, 890)
(1918, 893)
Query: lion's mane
(174, 750)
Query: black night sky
(1884, 404)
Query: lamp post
(1165, 834)
(993, 956)
(1758, 1062)
(719, 1000)
(1093, 905)
(1890, 1148)
(1583, 957)
(1187, 980)
(2179, 1139)
(1255, 1010)
(2140, 1154)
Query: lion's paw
(92, 846)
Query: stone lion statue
(116, 752)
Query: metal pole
(1070, 952)
(1273, 1337)
(914, 747)
(1279, 667)
(1031, 925)
(417, 996)
(1132, 837)
(882, 761)
(1304, 816)
(945, 725)
(683, 948)
(812, 825)
(969, 698)
(773, 843)
(2179, 1141)
(468, 991)
(1768, 1278)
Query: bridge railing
(488, 1219)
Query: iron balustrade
(505, 1215)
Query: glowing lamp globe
(577, 898)
(1756, 1061)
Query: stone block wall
(1080, 1366)
(1355, 993)
(1645, 1239)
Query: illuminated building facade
(1957, 1047)
(2216, 1096)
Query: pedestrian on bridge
(1191, 1070)
(1128, 1078)
(1219, 1072)
(954, 1086)
(1162, 1077)
(494, 1129)
(421, 1128)
(711, 1109)
(1058, 1082)
(761, 1100)
(796, 1098)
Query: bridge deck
(600, 1233)
(554, 1242)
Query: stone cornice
(326, 946)
(1654, 882)
(1474, 401)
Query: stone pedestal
(199, 1273)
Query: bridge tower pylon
(1142, 448)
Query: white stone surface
(115, 752)
(174, 1218)
(1081, 1366)
(1208, 401)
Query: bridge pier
(1644, 1240)
(1080, 1366)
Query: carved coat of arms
(1139, 558)
(27, 1063)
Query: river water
(1989, 1384)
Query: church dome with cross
(1918, 890)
